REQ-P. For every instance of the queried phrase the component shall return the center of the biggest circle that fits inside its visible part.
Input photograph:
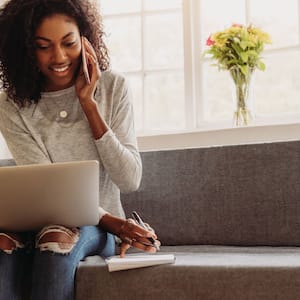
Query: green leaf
(261, 66)
(244, 44)
(252, 53)
(236, 48)
(244, 69)
(244, 56)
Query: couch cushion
(200, 272)
(231, 195)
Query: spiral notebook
(133, 261)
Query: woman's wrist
(88, 105)
(112, 224)
(96, 122)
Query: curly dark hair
(19, 74)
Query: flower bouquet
(237, 49)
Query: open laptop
(33, 196)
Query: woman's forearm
(111, 224)
(96, 122)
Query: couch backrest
(231, 195)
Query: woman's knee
(10, 242)
(57, 239)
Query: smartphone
(84, 62)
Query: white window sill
(220, 137)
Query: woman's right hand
(130, 233)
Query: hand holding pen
(138, 219)
(135, 233)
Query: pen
(139, 220)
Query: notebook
(133, 261)
(33, 196)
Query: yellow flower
(219, 39)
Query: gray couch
(230, 214)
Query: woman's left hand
(85, 91)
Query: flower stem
(242, 85)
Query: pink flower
(237, 25)
(209, 41)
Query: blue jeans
(41, 275)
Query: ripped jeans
(42, 271)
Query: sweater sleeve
(20, 142)
(118, 146)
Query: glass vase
(243, 97)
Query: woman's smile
(61, 70)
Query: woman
(49, 113)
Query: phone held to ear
(84, 62)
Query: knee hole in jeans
(57, 239)
(10, 242)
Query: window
(145, 39)
(159, 45)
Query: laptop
(33, 196)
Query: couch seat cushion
(200, 272)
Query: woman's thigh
(15, 271)
(54, 272)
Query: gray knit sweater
(56, 130)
